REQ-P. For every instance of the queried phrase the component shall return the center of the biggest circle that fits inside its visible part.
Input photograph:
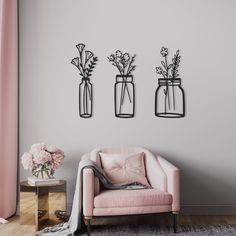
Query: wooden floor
(13, 228)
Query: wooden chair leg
(175, 221)
(88, 227)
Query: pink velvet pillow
(124, 168)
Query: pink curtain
(8, 107)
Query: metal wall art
(169, 97)
(85, 63)
(124, 89)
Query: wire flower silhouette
(85, 63)
(164, 51)
(171, 82)
(124, 63)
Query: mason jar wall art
(169, 97)
(124, 90)
(85, 63)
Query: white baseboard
(208, 209)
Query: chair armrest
(96, 180)
(88, 192)
(173, 181)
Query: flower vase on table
(43, 160)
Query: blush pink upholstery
(130, 210)
(162, 176)
(120, 168)
(127, 198)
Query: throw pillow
(124, 168)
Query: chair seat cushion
(132, 198)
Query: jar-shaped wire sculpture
(124, 96)
(169, 99)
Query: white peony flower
(41, 157)
(37, 147)
(27, 161)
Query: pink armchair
(163, 197)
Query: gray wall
(202, 144)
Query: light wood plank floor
(13, 228)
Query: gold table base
(42, 205)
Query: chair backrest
(149, 160)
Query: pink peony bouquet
(43, 160)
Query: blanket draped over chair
(74, 223)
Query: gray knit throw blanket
(74, 223)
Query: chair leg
(175, 223)
(88, 227)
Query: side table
(42, 205)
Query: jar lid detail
(124, 78)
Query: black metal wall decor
(124, 89)
(169, 97)
(85, 63)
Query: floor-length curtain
(8, 107)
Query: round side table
(42, 205)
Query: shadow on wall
(69, 172)
(71, 164)
(200, 187)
